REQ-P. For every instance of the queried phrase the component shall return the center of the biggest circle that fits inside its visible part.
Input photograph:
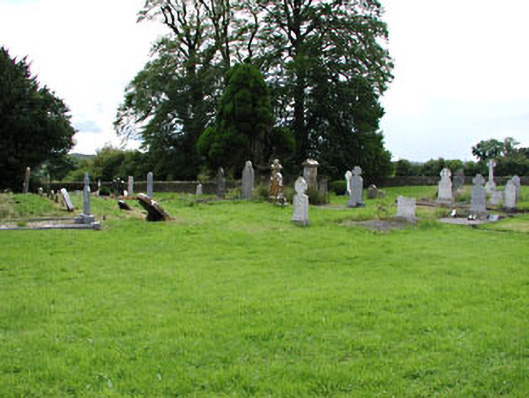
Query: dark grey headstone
(154, 211)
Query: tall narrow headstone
(491, 185)
(86, 217)
(310, 173)
(276, 183)
(66, 199)
(444, 193)
(150, 184)
(323, 186)
(478, 200)
(518, 185)
(221, 184)
(458, 180)
(406, 209)
(130, 187)
(348, 176)
(25, 186)
(357, 187)
(248, 180)
(301, 203)
(509, 196)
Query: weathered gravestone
(150, 184)
(478, 200)
(301, 203)
(66, 200)
(130, 187)
(154, 211)
(248, 180)
(518, 185)
(357, 188)
(491, 185)
(348, 176)
(86, 217)
(123, 205)
(509, 196)
(276, 183)
(406, 209)
(199, 190)
(496, 198)
(323, 186)
(372, 192)
(25, 186)
(221, 184)
(458, 180)
(310, 173)
(444, 192)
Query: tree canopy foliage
(325, 64)
(34, 123)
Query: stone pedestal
(310, 173)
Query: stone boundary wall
(424, 180)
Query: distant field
(232, 300)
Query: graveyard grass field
(231, 300)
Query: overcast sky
(461, 67)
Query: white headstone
(248, 180)
(131, 186)
(348, 176)
(518, 185)
(199, 189)
(445, 186)
(478, 200)
(66, 199)
(301, 203)
(357, 187)
(509, 199)
(406, 209)
(150, 184)
(491, 185)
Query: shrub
(104, 191)
(338, 187)
(316, 197)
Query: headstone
(458, 180)
(276, 183)
(496, 198)
(66, 199)
(509, 199)
(221, 184)
(123, 205)
(310, 173)
(248, 180)
(301, 203)
(130, 187)
(348, 176)
(444, 192)
(323, 186)
(372, 192)
(154, 211)
(86, 217)
(357, 187)
(491, 185)
(406, 209)
(41, 191)
(150, 184)
(48, 183)
(25, 186)
(518, 185)
(478, 200)
(199, 189)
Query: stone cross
(248, 180)
(310, 173)
(509, 196)
(357, 187)
(348, 176)
(478, 200)
(130, 187)
(444, 193)
(221, 184)
(406, 209)
(25, 186)
(491, 185)
(301, 203)
(150, 184)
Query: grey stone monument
(66, 199)
(491, 185)
(406, 209)
(496, 198)
(518, 185)
(458, 180)
(509, 196)
(323, 186)
(357, 188)
(310, 173)
(25, 186)
(478, 200)
(444, 192)
(150, 184)
(348, 176)
(154, 211)
(301, 203)
(199, 190)
(372, 192)
(130, 187)
(86, 217)
(248, 180)
(221, 184)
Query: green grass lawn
(231, 300)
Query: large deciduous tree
(34, 123)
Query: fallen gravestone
(154, 211)
(123, 205)
(66, 200)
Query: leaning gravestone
(221, 184)
(131, 186)
(509, 196)
(348, 176)
(310, 173)
(444, 193)
(357, 187)
(248, 180)
(478, 200)
(150, 184)
(301, 203)
(66, 200)
(491, 185)
(123, 205)
(154, 211)
(458, 180)
(406, 209)
(518, 185)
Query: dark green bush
(104, 191)
(316, 197)
(338, 187)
